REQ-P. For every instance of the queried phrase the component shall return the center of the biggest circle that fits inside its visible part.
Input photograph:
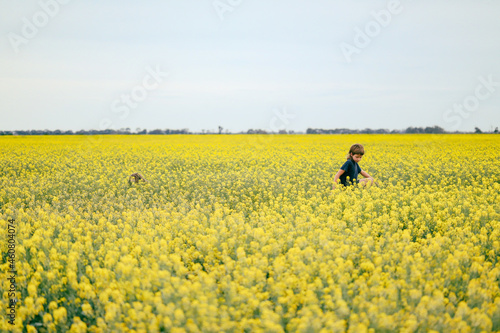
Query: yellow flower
(31, 329)
(60, 315)
(47, 318)
(87, 309)
(78, 326)
(230, 235)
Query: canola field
(243, 233)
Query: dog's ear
(132, 178)
(136, 177)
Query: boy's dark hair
(356, 148)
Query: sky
(241, 64)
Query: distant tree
(434, 130)
(477, 130)
(256, 131)
(220, 129)
(439, 130)
(428, 130)
(496, 130)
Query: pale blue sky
(249, 64)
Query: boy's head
(356, 152)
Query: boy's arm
(365, 174)
(337, 176)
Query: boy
(348, 173)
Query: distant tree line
(409, 130)
(95, 132)
(261, 131)
(349, 131)
(166, 131)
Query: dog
(135, 178)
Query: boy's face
(357, 157)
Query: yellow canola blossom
(236, 233)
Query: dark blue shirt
(352, 169)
